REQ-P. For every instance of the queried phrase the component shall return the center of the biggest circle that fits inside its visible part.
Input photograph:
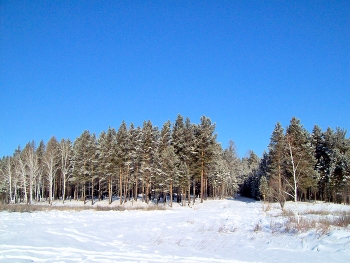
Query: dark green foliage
(182, 158)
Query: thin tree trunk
(189, 193)
(147, 191)
(136, 183)
(295, 182)
(92, 191)
(194, 190)
(64, 188)
(171, 193)
(143, 188)
(110, 189)
(120, 186)
(126, 188)
(202, 178)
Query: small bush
(266, 207)
(342, 220)
(320, 221)
(109, 208)
(257, 227)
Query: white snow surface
(213, 231)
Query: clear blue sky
(67, 66)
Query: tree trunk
(126, 188)
(120, 186)
(143, 188)
(99, 190)
(92, 191)
(202, 178)
(147, 191)
(189, 193)
(110, 189)
(64, 188)
(171, 193)
(136, 183)
(194, 190)
(50, 192)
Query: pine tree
(135, 158)
(264, 188)
(184, 143)
(250, 168)
(182, 177)
(122, 157)
(166, 160)
(276, 167)
(302, 155)
(107, 154)
(339, 178)
(206, 140)
(263, 173)
(149, 148)
(219, 175)
(233, 163)
(85, 161)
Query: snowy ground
(215, 231)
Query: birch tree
(66, 154)
(51, 159)
(32, 167)
(7, 179)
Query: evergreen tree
(301, 153)
(135, 158)
(107, 153)
(149, 148)
(168, 172)
(263, 173)
(167, 163)
(184, 143)
(219, 175)
(182, 177)
(122, 157)
(85, 162)
(206, 142)
(276, 167)
(264, 188)
(340, 163)
(250, 165)
(233, 163)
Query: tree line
(181, 161)
(300, 165)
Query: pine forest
(180, 162)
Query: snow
(214, 231)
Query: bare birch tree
(51, 161)
(32, 167)
(66, 152)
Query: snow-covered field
(215, 231)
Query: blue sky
(70, 66)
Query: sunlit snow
(215, 231)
